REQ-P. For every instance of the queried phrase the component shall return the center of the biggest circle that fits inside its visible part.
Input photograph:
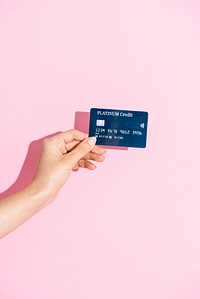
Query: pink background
(131, 229)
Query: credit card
(121, 128)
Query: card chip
(100, 123)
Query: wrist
(41, 194)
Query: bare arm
(60, 155)
(17, 208)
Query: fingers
(81, 150)
(86, 164)
(70, 139)
(64, 141)
(71, 145)
(94, 157)
(72, 135)
(76, 149)
(98, 150)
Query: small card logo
(100, 122)
(142, 126)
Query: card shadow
(29, 167)
(82, 122)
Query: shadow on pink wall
(31, 161)
(30, 164)
(28, 169)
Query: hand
(60, 155)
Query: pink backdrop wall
(131, 229)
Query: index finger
(73, 135)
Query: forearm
(17, 208)
(60, 154)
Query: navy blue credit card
(121, 128)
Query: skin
(60, 155)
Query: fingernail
(92, 141)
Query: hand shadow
(30, 164)
(29, 167)
(82, 123)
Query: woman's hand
(60, 154)
(63, 153)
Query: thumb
(80, 151)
